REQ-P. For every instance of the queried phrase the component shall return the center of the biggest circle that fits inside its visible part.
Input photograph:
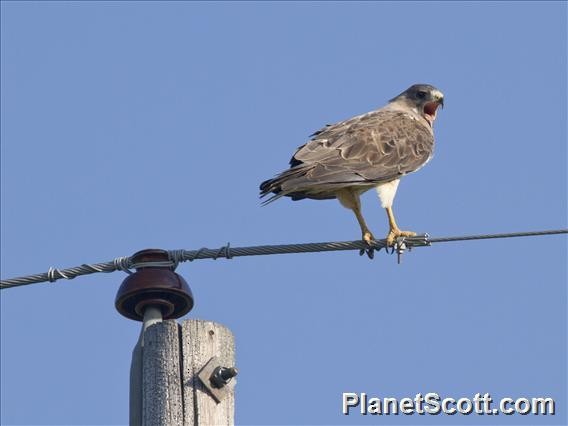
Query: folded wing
(360, 152)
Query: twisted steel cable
(125, 264)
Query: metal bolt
(400, 246)
(222, 375)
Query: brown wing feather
(363, 151)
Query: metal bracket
(217, 379)
(407, 243)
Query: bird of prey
(373, 150)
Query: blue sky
(141, 124)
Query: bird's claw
(371, 243)
(370, 252)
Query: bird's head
(423, 98)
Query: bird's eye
(421, 94)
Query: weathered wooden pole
(180, 375)
(207, 349)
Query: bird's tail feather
(298, 184)
(275, 185)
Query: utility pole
(181, 374)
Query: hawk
(373, 150)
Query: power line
(176, 256)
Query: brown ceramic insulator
(153, 286)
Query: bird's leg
(367, 235)
(395, 232)
(350, 199)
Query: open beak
(431, 107)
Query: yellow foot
(368, 237)
(395, 233)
